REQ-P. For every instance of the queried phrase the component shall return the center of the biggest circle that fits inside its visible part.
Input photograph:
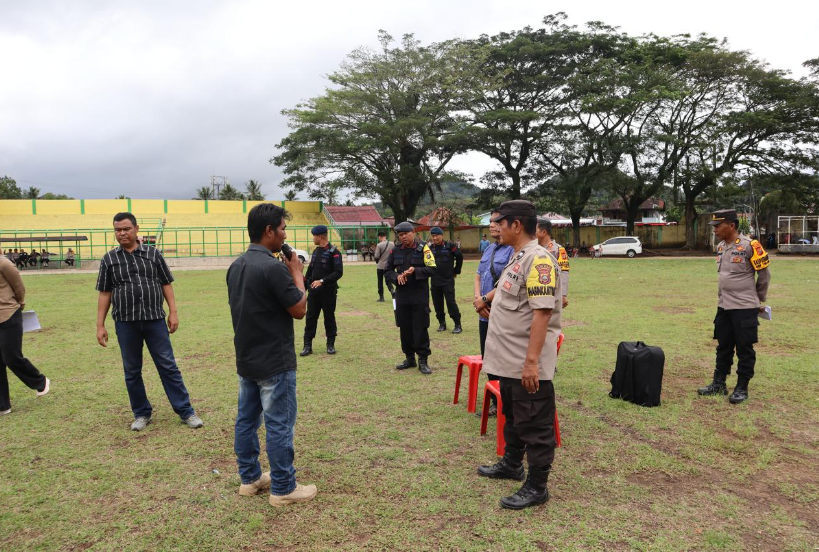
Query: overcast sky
(151, 98)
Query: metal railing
(184, 242)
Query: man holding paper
(12, 301)
(744, 277)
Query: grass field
(394, 460)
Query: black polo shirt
(260, 290)
(135, 281)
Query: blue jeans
(274, 397)
(154, 333)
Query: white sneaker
(4, 412)
(46, 389)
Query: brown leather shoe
(252, 489)
(302, 493)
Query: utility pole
(217, 183)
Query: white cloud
(151, 98)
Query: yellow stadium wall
(26, 214)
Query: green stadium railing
(184, 242)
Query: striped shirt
(135, 281)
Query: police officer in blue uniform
(323, 273)
(411, 264)
(448, 261)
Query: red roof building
(358, 215)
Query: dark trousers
(413, 322)
(483, 329)
(439, 295)
(736, 330)
(390, 286)
(318, 301)
(530, 420)
(11, 356)
(154, 333)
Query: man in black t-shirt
(265, 294)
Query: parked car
(301, 254)
(629, 246)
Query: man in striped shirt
(136, 279)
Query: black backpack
(638, 374)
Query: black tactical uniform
(412, 300)
(448, 261)
(325, 266)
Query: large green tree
(764, 122)
(513, 92)
(385, 127)
(9, 188)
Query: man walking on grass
(135, 279)
(265, 295)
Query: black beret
(319, 230)
(436, 230)
(404, 227)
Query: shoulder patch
(429, 258)
(542, 277)
(759, 260)
(563, 259)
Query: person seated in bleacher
(69, 257)
(44, 258)
(32, 258)
(22, 259)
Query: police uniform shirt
(737, 263)
(530, 281)
(415, 291)
(448, 260)
(559, 253)
(325, 264)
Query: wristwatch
(485, 300)
(321, 281)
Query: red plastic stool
(474, 363)
(493, 388)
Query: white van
(629, 246)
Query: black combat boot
(409, 362)
(380, 298)
(308, 347)
(441, 326)
(740, 392)
(458, 328)
(532, 493)
(508, 467)
(716, 387)
(331, 345)
(423, 367)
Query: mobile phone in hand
(287, 251)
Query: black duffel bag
(638, 374)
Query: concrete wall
(27, 214)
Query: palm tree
(254, 191)
(32, 193)
(229, 193)
(291, 195)
(204, 192)
(329, 194)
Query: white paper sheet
(30, 321)
(766, 314)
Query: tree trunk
(690, 219)
(514, 193)
(632, 210)
(576, 227)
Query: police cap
(515, 208)
(724, 215)
(404, 227)
(435, 230)
(319, 230)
